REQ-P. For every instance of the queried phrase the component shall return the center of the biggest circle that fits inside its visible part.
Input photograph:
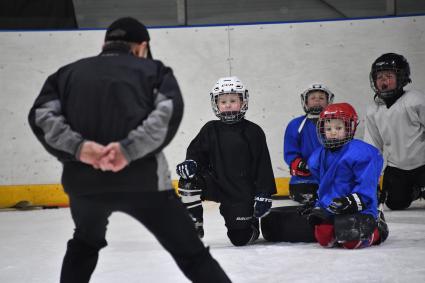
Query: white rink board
(275, 61)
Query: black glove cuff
(356, 201)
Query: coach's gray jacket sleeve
(160, 126)
(50, 126)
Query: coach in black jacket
(107, 119)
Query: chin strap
(313, 116)
(391, 100)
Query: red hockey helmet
(337, 111)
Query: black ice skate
(199, 227)
(418, 193)
(382, 228)
(255, 231)
(190, 195)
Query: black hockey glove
(347, 205)
(318, 216)
(187, 169)
(308, 206)
(262, 205)
(299, 168)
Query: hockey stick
(381, 202)
(381, 223)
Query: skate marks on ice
(133, 254)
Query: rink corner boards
(52, 195)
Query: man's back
(113, 97)
(107, 96)
(107, 119)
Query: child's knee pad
(398, 205)
(242, 237)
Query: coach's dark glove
(299, 168)
(187, 169)
(347, 205)
(262, 205)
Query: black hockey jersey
(237, 157)
(113, 97)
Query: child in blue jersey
(300, 141)
(345, 212)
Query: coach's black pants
(161, 213)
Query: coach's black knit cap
(129, 30)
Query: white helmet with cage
(311, 88)
(229, 85)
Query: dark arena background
(277, 48)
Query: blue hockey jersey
(300, 140)
(354, 168)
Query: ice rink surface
(33, 243)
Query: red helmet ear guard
(339, 111)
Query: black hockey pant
(285, 224)
(400, 184)
(161, 213)
(242, 227)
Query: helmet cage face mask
(390, 62)
(347, 115)
(315, 87)
(226, 86)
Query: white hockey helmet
(311, 88)
(229, 85)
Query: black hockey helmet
(390, 62)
